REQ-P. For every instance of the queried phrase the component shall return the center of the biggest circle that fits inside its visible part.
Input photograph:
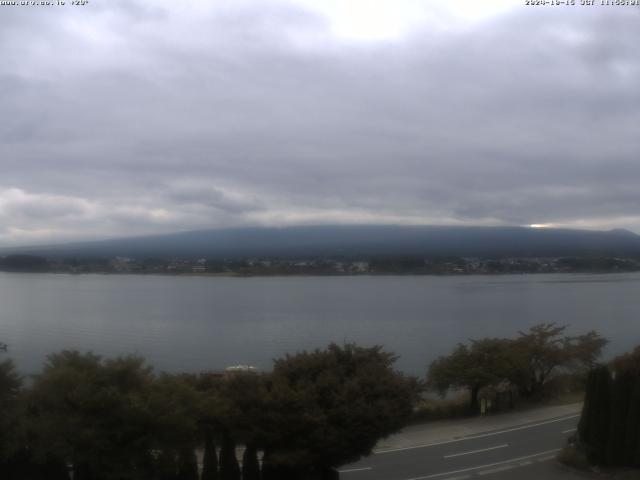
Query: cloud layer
(134, 117)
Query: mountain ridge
(354, 241)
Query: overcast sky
(146, 116)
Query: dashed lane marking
(473, 437)
(545, 459)
(489, 465)
(352, 470)
(496, 470)
(569, 430)
(476, 451)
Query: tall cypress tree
(166, 465)
(586, 419)
(632, 432)
(250, 464)
(621, 391)
(187, 464)
(594, 428)
(229, 468)
(210, 459)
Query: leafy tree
(242, 403)
(176, 407)
(93, 414)
(10, 416)
(628, 362)
(329, 407)
(542, 350)
(480, 364)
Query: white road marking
(524, 464)
(476, 451)
(569, 430)
(496, 470)
(473, 437)
(545, 459)
(479, 467)
(350, 470)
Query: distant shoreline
(311, 275)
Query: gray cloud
(130, 118)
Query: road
(514, 452)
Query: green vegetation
(115, 419)
(322, 265)
(527, 364)
(609, 429)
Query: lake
(195, 323)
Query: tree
(92, 413)
(229, 468)
(250, 464)
(609, 428)
(176, 407)
(542, 350)
(187, 464)
(632, 429)
(594, 424)
(329, 407)
(24, 263)
(484, 362)
(10, 418)
(210, 457)
(242, 404)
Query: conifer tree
(621, 391)
(632, 431)
(187, 464)
(250, 464)
(210, 458)
(229, 468)
(594, 426)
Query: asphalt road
(515, 452)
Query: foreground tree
(326, 408)
(243, 397)
(543, 350)
(11, 419)
(480, 364)
(527, 362)
(92, 414)
(176, 407)
(609, 428)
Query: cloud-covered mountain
(235, 113)
(357, 241)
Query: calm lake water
(201, 323)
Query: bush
(573, 457)
(430, 410)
